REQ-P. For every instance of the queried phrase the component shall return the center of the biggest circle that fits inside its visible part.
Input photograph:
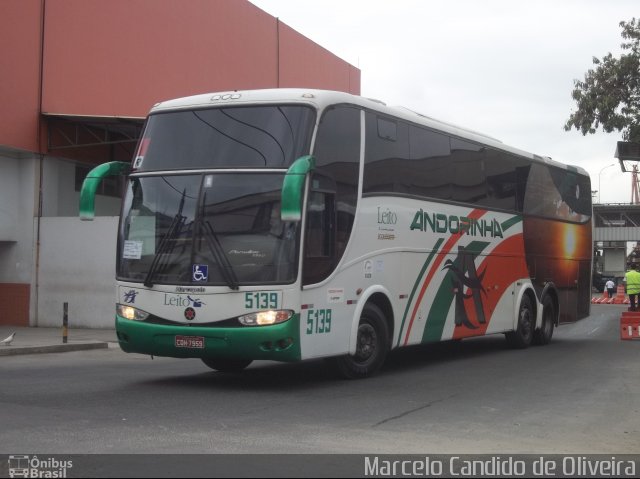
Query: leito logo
(386, 216)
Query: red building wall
(306, 64)
(119, 57)
(20, 41)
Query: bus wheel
(372, 346)
(544, 334)
(227, 365)
(523, 335)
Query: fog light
(285, 343)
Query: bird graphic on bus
(464, 274)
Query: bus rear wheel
(227, 365)
(523, 335)
(545, 333)
(372, 345)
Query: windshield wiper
(174, 230)
(264, 158)
(218, 253)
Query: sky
(505, 68)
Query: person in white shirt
(610, 286)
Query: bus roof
(320, 99)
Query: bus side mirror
(91, 182)
(293, 188)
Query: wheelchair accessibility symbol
(200, 272)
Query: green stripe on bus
(510, 222)
(444, 298)
(417, 283)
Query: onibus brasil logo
(33, 466)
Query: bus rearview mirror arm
(91, 182)
(293, 188)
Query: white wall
(77, 259)
(18, 189)
(9, 200)
(59, 197)
(77, 265)
(614, 261)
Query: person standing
(611, 286)
(632, 285)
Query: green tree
(609, 95)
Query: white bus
(290, 224)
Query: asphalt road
(578, 395)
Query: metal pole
(65, 323)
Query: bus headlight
(129, 312)
(265, 318)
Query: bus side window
(333, 195)
(320, 235)
(319, 225)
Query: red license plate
(196, 342)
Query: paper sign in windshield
(132, 249)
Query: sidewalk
(49, 340)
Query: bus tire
(372, 346)
(523, 335)
(227, 365)
(545, 333)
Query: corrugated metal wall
(616, 234)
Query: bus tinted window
(387, 129)
(575, 190)
(506, 180)
(259, 136)
(428, 173)
(557, 193)
(426, 164)
(467, 172)
(334, 197)
(386, 160)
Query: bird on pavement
(7, 341)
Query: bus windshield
(271, 136)
(211, 229)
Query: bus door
(320, 313)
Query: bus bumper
(280, 342)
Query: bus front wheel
(372, 345)
(227, 365)
(523, 334)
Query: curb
(58, 348)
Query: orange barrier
(601, 299)
(630, 325)
(619, 298)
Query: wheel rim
(547, 321)
(367, 343)
(547, 324)
(525, 322)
